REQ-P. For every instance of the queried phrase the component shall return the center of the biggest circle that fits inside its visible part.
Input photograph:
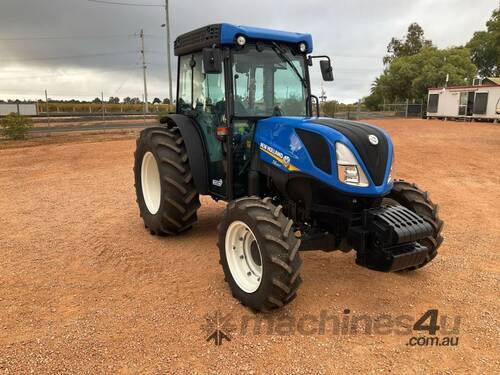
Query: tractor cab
(229, 78)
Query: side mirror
(212, 60)
(326, 70)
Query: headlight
(348, 169)
(241, 40)
(391, 172)
(302, 47)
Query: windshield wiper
(279, 51)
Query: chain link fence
(359, 111)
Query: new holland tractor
(245, 132)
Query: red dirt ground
(85, 288)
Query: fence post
(406, 113)
(103, 107)
(47, 114)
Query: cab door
(202, 97)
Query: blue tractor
(245, 132)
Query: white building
(481, 101)
(26, 109)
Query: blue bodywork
(230, 32)
(281, 147)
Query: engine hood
(306, 146)
(374, 154)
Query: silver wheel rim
(243, 256)
(150, 183)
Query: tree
(375, 99)
(127, 100)
(113, 100)
(96, 100)
(15, 126)
(412, 44)
(485, 47)
(156, 101)
(409, 77)
(166, 101)
(413, 65)
(135, 101)
(328, 108)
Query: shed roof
(494, 80)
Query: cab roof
(226, 34)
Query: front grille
(317, 148)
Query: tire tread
(281, 246)
(179, 194)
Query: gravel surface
(84, 288)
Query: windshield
(268, 81)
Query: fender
(195, 146)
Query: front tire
(418, 201)
(166, 195)
(259, 253)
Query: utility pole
(169, 60)
(166, 25)
(146, 109)
(47, 107)
(143, 111)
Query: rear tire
(418, 201)
(259, 253)
(166, 195)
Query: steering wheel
(277, 111)
(239, 108)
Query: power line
(167, 28)
(52, 93)
(6, 39)
(131, 67)
(69, 57)
(125, 4)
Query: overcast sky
(76, 48)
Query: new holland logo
(373, 139)
(284, 160)
(271, 150)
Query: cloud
(354, 33)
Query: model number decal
(217, 183)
